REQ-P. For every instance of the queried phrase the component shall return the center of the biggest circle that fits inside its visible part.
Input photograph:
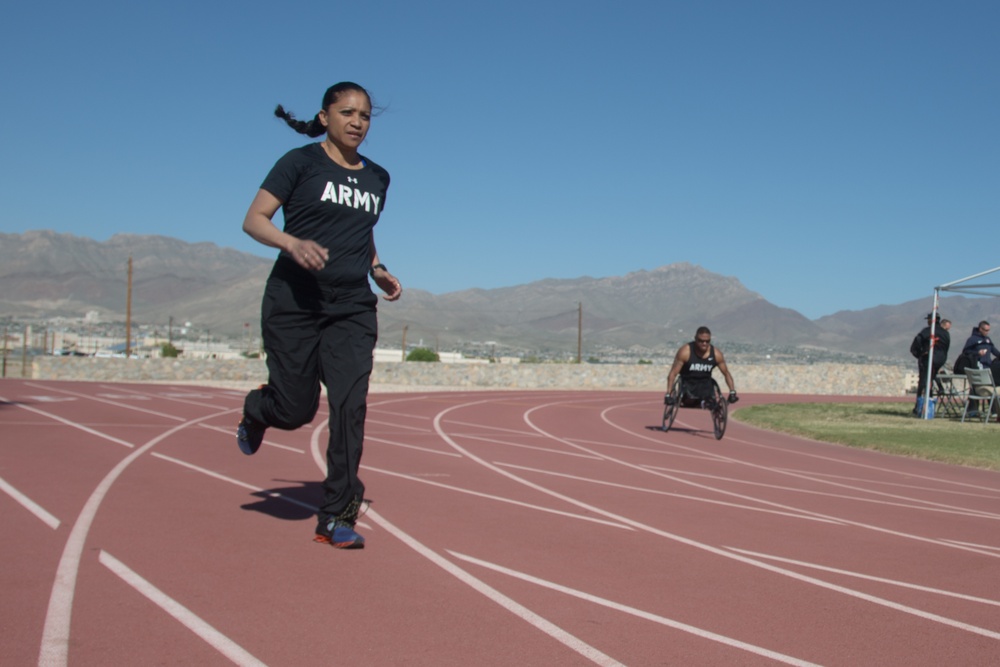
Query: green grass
(884, 427)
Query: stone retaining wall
(830, 379)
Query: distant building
(396, 354)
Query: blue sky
(831, 156)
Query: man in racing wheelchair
(694, 363)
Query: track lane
(231, 538)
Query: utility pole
(24, 351)
(128, 312)
(579, 333)
(405, 327)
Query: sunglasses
(703, 340)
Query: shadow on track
(290, 503)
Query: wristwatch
(371, 271)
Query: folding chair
(981, 389)
(951, 397)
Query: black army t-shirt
(334, 206)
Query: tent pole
(930, 358)
(946, 286)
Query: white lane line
(117, 404)
(908, 474)
(29, 504)
(919, 506)
(519, 610)
(522, 612)
(781, 471)
(535, 448)
(700, 455)
(67, 422)
(232, 433)
(187, 399)
(486, 428)
(56, 632)
(659, 492)
(911, 487)
(189, 619)
(414, 447)
(702, 545)
(554, 631)
(401, 427)
(408, 398)
(497, 498)
(973, 544)
(251, 487)
(676, 625)
(688, 482)
(868, 577)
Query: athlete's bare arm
(720, 362)
(259, 225)
(680, 359)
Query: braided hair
(314, 127)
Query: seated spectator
(979, 350)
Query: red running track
(527, 528)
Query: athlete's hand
(733, 397)
(669, 400)
(308, 254)
(388, 284)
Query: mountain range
(44, 274)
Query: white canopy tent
(965, 286)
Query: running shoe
(338, 531)
(249, 435)
(339, 535)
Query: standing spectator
(318, 313)
(921, 349)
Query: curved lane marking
(670, 494)
(519, 610)
(56, 633)
(497, 498)
(633, 611)
(868, 577)
(978, 514)
(729, 459)
(522, 612)
(701, 545)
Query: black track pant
(315, 334)
(695, 390)
(922, 375)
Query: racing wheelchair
(688, 397)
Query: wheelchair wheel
(670, 411)
(720, 413)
